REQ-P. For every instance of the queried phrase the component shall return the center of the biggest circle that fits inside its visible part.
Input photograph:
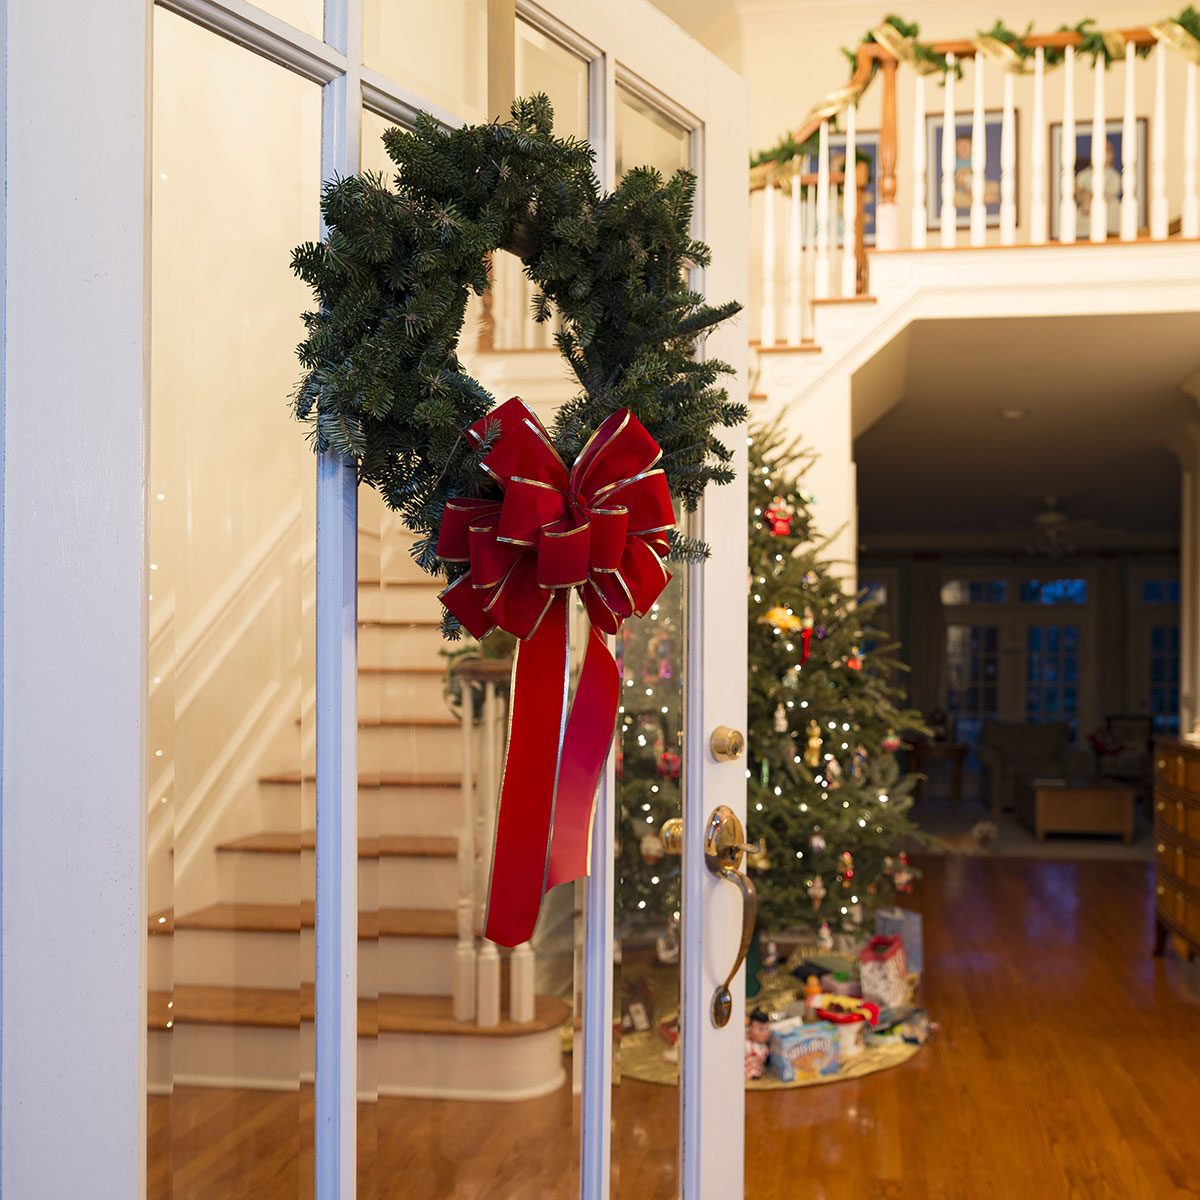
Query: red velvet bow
(600, 527)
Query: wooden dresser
(1177, 845)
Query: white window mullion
(336, 917)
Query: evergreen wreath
(383, 384)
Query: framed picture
(866, 149)
(1114, 162)
(992, 121)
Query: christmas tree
(827, 800)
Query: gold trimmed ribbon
(1177, 38)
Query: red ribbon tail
(589, 735)
(526, 808)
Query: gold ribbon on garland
(1178, 38)
(1003, 54)
(902, 48)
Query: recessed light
(1014, 414)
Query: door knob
(724, 845)
(726, 744)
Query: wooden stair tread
(286, 1008)
(292, 918)
(393, 845)
(415, 779)
(400, 623)
(429, 582)
(829, 300)
(427, 722)
(421, 670)
(784, 348)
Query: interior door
(395, 1038)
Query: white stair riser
(400, 603)
(400, 645)
(400, 695)
(411, 748)
(283, 807)
(415, 966)
(455, 1066)
(389, 881)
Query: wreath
(514, 515)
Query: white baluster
(1158, 147)
(1038, 208)
(793, 320)
(1008, 166)
(465, 952)
(1098, 210)
(521, 1002)
(1129, 152)
(920, 211)
(1190, 224)
(978, 161)
(850, 209)
(487, 987)
(487, 1000)
(821, 271)
(948, 214)
(768, 262)
(810, 258)
(1066, 182)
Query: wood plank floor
(1067, 1065)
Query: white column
(1190, 225)
(1129, 151)
(850, 210)
(464, 951)
(521, 1000)
(1066, 181)
(978, 160)
(948, 214)
(920, 211)
(1008, 166)
(821, 281)
(1098, 209)
(767, 334)
(795, 248)
(1158, 147)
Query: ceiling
(1102, 399)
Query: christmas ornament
(858, 762)
(825, 937)
(781, 719)
(812, 754)
(833, 772)
(600, 527)
(817, 892)
(816, 842)
(756, 856)
(806, 633)
(781, 618)
(902, 877)
(891, 742)
(651, 848)
(847, 866)
(854, 662)
(779, 517)
(670, 765)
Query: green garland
(383, 384)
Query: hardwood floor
(1066, 1065)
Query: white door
(308, 86)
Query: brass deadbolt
(726, 744)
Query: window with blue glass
(1054, 591)
(975, 591)
(1160, 591)
(1052, 674)
(972, 673)
(1164, 678)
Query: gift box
(883, 970)
(902, 923)
(801, 1051)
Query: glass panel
(1054, 591)
(439, 51)
(1160, 591)
(647, 137)
(971, 661)
(1051, 670)
(374, 156)
(545, 66)
(975, 591)
(236, 180)
(1164, 675)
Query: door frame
(73, 591)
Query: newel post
(887, 216)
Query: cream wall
(789, 54)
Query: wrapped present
(801, 1051)
(883, 970)
(850, 1017)
(906, 925)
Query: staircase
(231, 972)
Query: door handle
(724, 845)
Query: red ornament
(847, 868)
(779, 517)
(600, 527)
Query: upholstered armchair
(1009, 749)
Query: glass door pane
(1052, 674)
(972, 679)
(236, 178)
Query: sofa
(1010, 749)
